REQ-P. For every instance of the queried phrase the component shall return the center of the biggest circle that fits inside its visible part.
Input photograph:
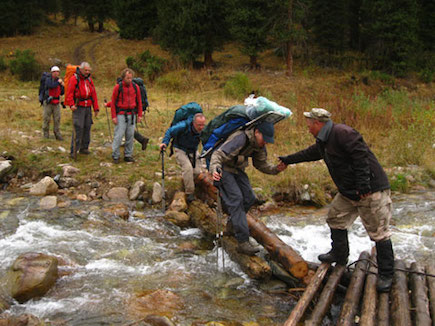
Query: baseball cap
(267, 130)
(55, 68)
(318, 114)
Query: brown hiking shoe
(247, 248)
(144, 143)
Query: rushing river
(105, 260)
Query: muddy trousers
(82, 121)
(51, 110)
(238, 197)
(188, 171)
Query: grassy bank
(396, 117)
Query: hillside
(395, 116)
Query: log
(205, 218)
(383, 315)
(308, 295)
(368, 311)
(278, 250)
(353, 294)
(400, 314)
(326, 296)
(419, 299)
(430, 269)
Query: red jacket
(55, 90)
(85, 93)
(128, 99)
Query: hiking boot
(46, 134)
(383, 284)
(385, 260)
(59, 137)
(129, 159)
(340, 248)
(247, 248)
(141, 139)
(116, 160)
(229, 229)
(85, 151)
(190, 198)
(144, 143)
(71, 156)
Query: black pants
(82, 121)
(238, 197)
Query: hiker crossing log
(419, 299)
(353, 294)
(399, 297)
(368, 313)
(278, 250)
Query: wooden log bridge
(411, 300)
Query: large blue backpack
(43, 90)
(185, 112)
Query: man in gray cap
(363, 190)
(228, 165)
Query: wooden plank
(353, 294)
(383, 315)
(326, 296)
(368, 311)
(419, 299)
(400, 314)
(299, 310)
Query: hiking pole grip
(217, 183)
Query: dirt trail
(85, 51)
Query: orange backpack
(70, 71)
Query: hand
(281, 166)
(115, 120)
(139, 119)
(283, 159)
(162, 147)
(107, 105)
(60, 81)
(73, 108)
(217, 176)
(96, 113)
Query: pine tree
(136, 19)
(20, 16)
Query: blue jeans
(124, 127)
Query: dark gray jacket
(352, 165)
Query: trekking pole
(163, 180)
(74, 132)
(108, 121)
(219, 229)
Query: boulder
(47, 186)
(137, 190)
(159, 302)
(31, 276)
(178, 218)
(179, 202)
(69, 171)
(22, 320)
(48, 202)
(157, 193)
(120, 210)
(118, 194)
(67, 182)
(5, 168)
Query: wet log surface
(400, 314)
(353, 294)
(419, 298)
(308, 295)
(430, 269)
(383, 315)
(368, 313)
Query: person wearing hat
(55, 88)
(363, 190)
(228, 164)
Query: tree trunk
(91, 26)
(353, 294)
(383, 315)
(253, 61)
(208, 59)
(289, 46)
(399, 297)
(308, 295)
(100, 27)
(368, 314)
(419, 297)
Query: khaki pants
(51, 110)
(188, 172)
(374, 210)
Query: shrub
(147, 64)
(175, 81)
(238, 86)
(25, 65)
(3, 64)
(399, 183)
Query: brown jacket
(233, 154)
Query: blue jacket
(184, 135)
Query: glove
(285, 159)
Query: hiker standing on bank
(80, 97)
(55, 88)
(228, 164)
(185, 135)
(126, 104)
(363, 190)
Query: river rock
(22, 320)
(137, 190)
(5, 168)
(120, 210)
(48, 202)
(155, 320)
(31, 276)
(69, 171)
(118, 194)
(179, 202)
(82, 197)
(47, 186)
(161, 302)
(67, 182)
(178, 218)
(157, 193)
